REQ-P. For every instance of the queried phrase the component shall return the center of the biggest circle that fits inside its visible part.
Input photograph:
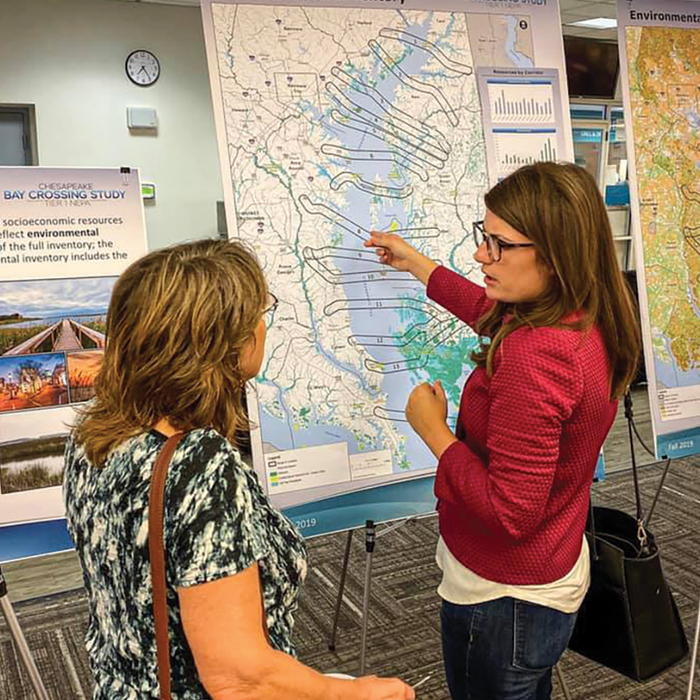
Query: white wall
(67, 58)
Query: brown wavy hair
(177, 323)
(558, 206)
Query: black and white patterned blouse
(217, 523)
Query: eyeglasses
(270, 304)
(494, 245)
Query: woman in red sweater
(559, 347)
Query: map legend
(307, 467)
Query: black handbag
(629, 621)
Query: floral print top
(217, 522)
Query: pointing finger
(379, 237)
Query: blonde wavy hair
(177, 323)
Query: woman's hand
(373, 688)
(223, 622)
(392, 250)
(426, 411)
(427, 407)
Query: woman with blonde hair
(186, 329)
(559, 347)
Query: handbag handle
(156, 551)
(592, 517)
(641, 529)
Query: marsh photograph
(31, 449)
(82, 370)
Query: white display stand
(21, 643)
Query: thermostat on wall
(148, 190)
(141, 118)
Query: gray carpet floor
(404, 625)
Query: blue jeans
(503, 649)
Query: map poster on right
(660, 67)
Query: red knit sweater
(513, 492)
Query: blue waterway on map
(82, 318)
(283, 435)
(693, 118)
(358, 207)
(518, 58)
(670, 375)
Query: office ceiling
(571, 11)
(575, 10)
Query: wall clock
(142, 67)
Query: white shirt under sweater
(462, 586)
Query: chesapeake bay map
(339, 121)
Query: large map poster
(333, 121)
(660, 46)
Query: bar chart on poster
(516, 147)
(527, 102)
(522, 116)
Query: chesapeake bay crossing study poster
(660, 60)
(347, 116)
(65, 236)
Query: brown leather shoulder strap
(157, 556)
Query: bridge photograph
(63, 335)
(43, 316)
